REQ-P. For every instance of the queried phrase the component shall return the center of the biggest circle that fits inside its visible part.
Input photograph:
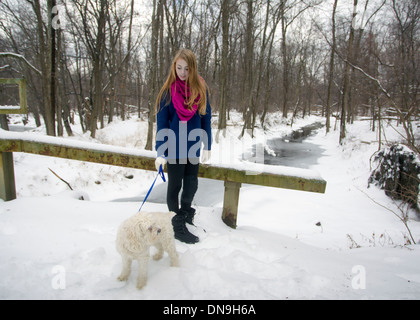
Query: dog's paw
(158, 256)
(122, 278)
(140, 285)
(174, 262)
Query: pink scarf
(179, 96)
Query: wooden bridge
(264, 175)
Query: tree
(126, 63)
(225, 13)
(405, 62)
(93, 17)
(52, 57)
(290, 10)
(331, 70)
(96, 49)
(347, 71)
(46, 57)
(157, 7)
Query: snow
(9, 107)
(288, 244)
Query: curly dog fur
(137, 234)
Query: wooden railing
(264, 175)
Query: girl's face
(181, 67)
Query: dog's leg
(169, 247)
(143, 262)
(159, 254)
(126, 268)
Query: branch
(401, 219)
(22, 58)
(371, 78)
(68, 184)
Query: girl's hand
(160, 161)
(205, 157)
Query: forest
(101, 59)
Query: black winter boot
(181, 232)
(189, 215)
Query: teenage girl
(183, 125)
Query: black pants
(183, 176)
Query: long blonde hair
(196, 84)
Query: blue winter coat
(176, 139)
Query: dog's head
(152, 232)
(153, 224)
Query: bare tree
(93, 17)
(406, 64)
(347, 71)
(248, 84)
(290, 10)
(45, 52)
(225, 13)
(157, 7)
(126, 63)
(331, 69)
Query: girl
(183, 124)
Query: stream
(293, 150)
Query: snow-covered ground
(288, 244)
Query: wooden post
(7, 172)
(230, 203)
(7, 177)
(22, 97)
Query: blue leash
(160, 173)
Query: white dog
(137, 234)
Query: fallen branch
(61, 179)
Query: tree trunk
(126, 64)
(98, 55)
(153, 72)
(347, 71)
(331, 71)
(224, 64)
(285, 62)
(53, 65)
(45, 68)
(248, 69)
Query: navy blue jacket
(176, 139)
